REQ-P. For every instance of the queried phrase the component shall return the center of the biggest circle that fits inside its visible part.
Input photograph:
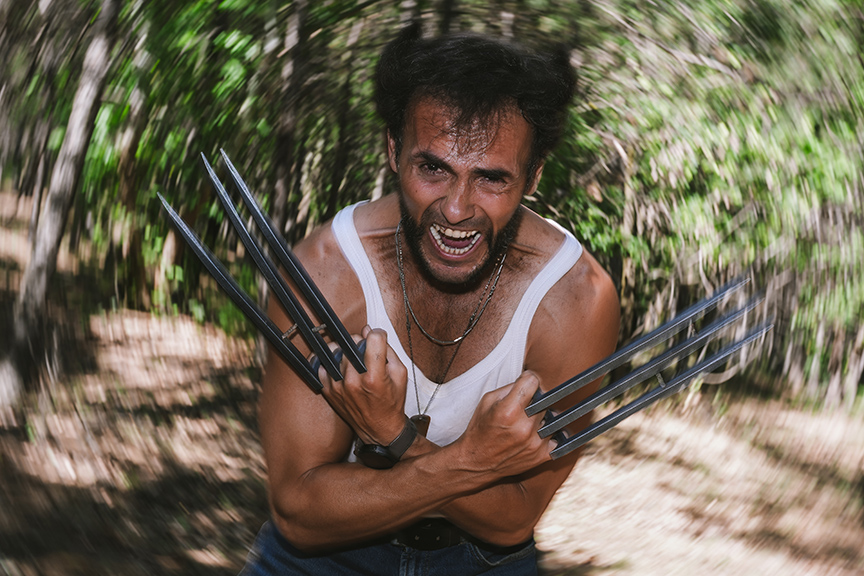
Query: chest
(446, 334)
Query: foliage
(709, 139)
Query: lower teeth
(453, 251)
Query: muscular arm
(318, 500)
(575, 327)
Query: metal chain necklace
(422, 420)
(478, 311)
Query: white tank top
(456, 399)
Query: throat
(435, 348)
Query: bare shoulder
(576, 324)
(318, 247)
(378, 218)
(326, 264)
(586, 291)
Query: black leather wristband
(382, 457)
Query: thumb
(524, 387)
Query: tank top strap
(561, 262)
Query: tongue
(456, 243)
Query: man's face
(460, 188)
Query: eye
(430, 168)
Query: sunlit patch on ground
(762, 490)
(149, 463)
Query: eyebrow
(488, 173)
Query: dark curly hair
(477, 76)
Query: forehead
(433, 126)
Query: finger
(323, 377)
(397, 371)
(344, 364)
(497, 395)
(376, 354)
(524, 388)
(366, 330)
(551, 444)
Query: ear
(391, 152)
(535, 179)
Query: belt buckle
(429, 535)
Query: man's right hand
(372, 403)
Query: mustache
(497, 244)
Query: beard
(497, 245)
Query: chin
(464, 275)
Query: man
(468, 302)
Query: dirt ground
(138, 455)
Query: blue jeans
(273, 555)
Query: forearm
(503, 512)
(343, 503)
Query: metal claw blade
(625, 354)
(243, 301)
(645, 371)
(297, 273)
(283, 293)
(663, 391)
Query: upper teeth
(454, 233)
(438, 231)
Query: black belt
(437, 533)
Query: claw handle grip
(337, 356)
(559, 436)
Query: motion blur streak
(709, 139)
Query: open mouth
(454, 242)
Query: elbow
(510, 531)
(510, 537)
(514, 529)
(300, 537)
(291, 520)
(520, 537)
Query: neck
(451, 302)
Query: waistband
(437, 533)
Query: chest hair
(446, 315)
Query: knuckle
(377, 335)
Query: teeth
(438, 231)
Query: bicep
(573, 330)
(299, 430)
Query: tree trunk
(813, 378)
(135, 277)
(409, 11)
(343, 134)
(448, 14)
(44, 131)
(285, 154)
(854, 370)
(286, 138)
(31, 301)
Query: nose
(458, 205)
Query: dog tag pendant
(421, 421)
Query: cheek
(500, 208)
(419, 196)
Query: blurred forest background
(708, 139)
